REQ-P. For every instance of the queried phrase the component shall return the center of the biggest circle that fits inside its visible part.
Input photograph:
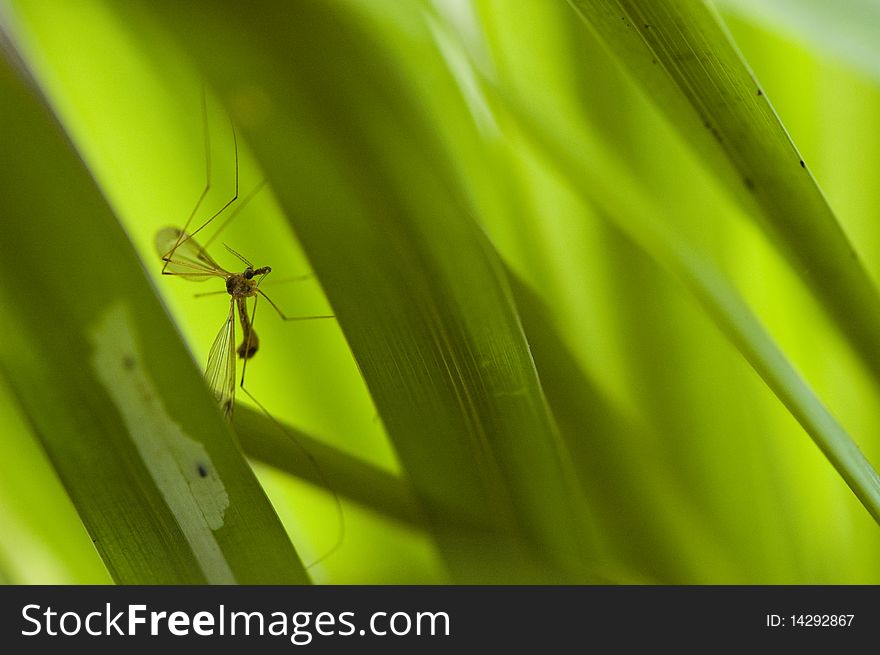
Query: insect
(183, 256)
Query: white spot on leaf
(178, 464)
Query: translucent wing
(220, 372)
(184, 256)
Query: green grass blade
(687, 65)
(106, 382)
(42, 539)
(290, 450)
(628, 476)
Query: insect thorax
(240, 285)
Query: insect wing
(184, 256)
(220, 372)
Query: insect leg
(285, 317)
(340, 538)
(184, 234)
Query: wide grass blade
(627, 475)
(42, 539)
(104, 380)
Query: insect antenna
(239, 256)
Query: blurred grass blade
(42, 539)
(122, 412)
(607, 187)
(846, 29)
(417, 289)
(622, 467)
(687, 65)
(383, 492)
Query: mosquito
(182, 256)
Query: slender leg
(284, 317)
(340, 538)
(184, 234)
(207, 144)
